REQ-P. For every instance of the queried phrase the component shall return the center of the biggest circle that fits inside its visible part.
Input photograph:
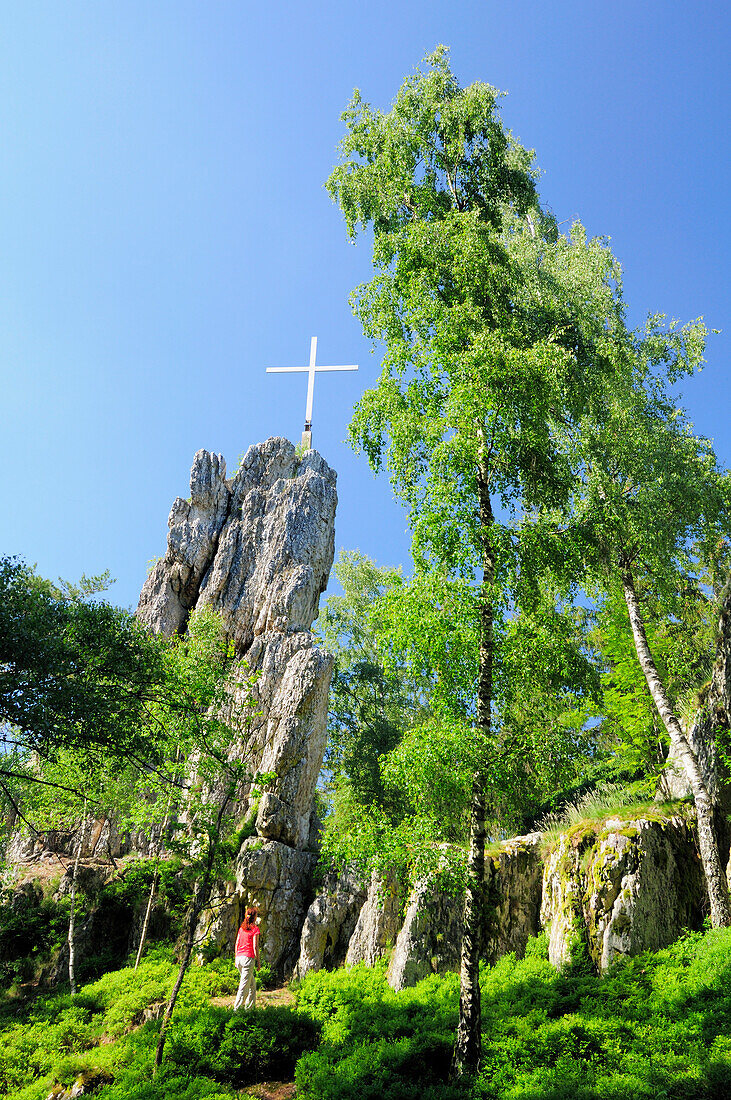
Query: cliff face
(258, 549)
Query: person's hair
(250, 918)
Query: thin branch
(45, 783)
(30, 824)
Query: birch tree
(494, 329)
(651, 507)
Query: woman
(247, 959)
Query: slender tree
(650, 506)
(155, 879)
(72, 913)
(221, 703)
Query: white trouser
(246, 994)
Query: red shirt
(245, 941)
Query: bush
(31, 928)
(378, 1043)
(655, 1025)
(413, 1068)
(241, 1048)
(265, 979)
(165, 1086)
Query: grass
(656, 1026)
(598, 805)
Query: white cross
(311, 370)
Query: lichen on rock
(621, 887)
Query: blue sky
(165, 234)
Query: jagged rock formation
(330, 923)
(103, 841)
(277, 879)
(258, 549)
(378, 923)
(513, 887)
(618, 887)
(430, 939)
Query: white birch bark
(72, 915)
(707, 838)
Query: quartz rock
(258, 549)
(561, 909)
(276, 879)
(277, 544)
(430, 939)
(513, 884)
(171, 590)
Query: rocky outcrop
(513, 891)
(613, 888)
(561, 909)
(330, 923)
(277, 879)
(258, 549)
(378, 923)
(171, 590)
(288, 739)
(276, 547)
(102, 841)
(622, 888)
(430, 938)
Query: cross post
(311, 370)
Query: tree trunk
(201, 897)
(705, 809)
(153, 885)
(468, 1043)
(72, 914)
(146, 922)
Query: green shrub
(657, 1025)
(31, 928)
(654, 1026)
(241, 1048)
(414, 1068)
(166, 1086)
(265, 978)
(378, 1043)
